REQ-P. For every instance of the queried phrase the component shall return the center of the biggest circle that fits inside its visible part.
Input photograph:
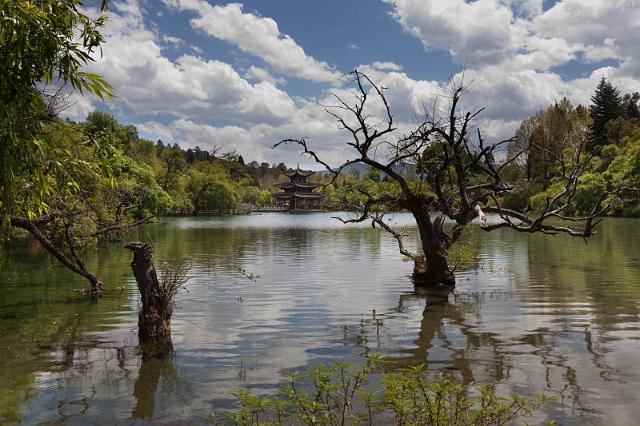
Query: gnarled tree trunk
(431, 269)
(459, 175)
(73, 262)
(154, 318)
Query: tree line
(117, 180)
(193, 179)
(610, 125)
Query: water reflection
(152, 370)
(538, 314)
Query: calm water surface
(534, 314)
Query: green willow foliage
(43, 46)
(128, 193)
(337, 395)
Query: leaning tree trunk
(75, 264)
(431, 269)
(154, 318)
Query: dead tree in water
(156, 296)
(458, 176)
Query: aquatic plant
(339, 395)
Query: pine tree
(630, 105)
(606, 105)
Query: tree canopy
(44, 46)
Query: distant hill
(362, 169)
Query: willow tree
(459, 177)
(46, 172)
(44, 46)
(98, 206)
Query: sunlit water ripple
(533, 314)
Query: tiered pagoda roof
(298, 188)
(297, 185)
(297, 171)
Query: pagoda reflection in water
(298, 193)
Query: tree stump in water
(154, 318)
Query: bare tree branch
(459, 169)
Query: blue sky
(245, 75)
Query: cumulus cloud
(258, 36)
(526, 8)
(256, 142)
(600, 29)
(389, 66)
(260, 74)
(506, 32)
(407, 97)
(511, 48)
(479, 32)
(77, 107)
(150, 83)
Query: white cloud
(407, 97)
(256, 142)
(77, 107)
(519, 34)
(386, 66)
(150, 83)
(479, 32)
(526, 7)
(170, 40)
(258, 36)
(602, 29)
(510, 48)
(260, 74)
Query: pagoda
(298, 193)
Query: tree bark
(75, 266)
(154, 318)
(431, 269)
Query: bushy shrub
(327, 395)
(538, 201)
(590, 188)
(516, 200)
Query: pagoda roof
(308, 195)
(297, 185)
(299, 172)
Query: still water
(532, 314)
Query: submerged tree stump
(424, 277)
(154, 318)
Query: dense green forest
(188, 180)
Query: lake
(274, 292)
